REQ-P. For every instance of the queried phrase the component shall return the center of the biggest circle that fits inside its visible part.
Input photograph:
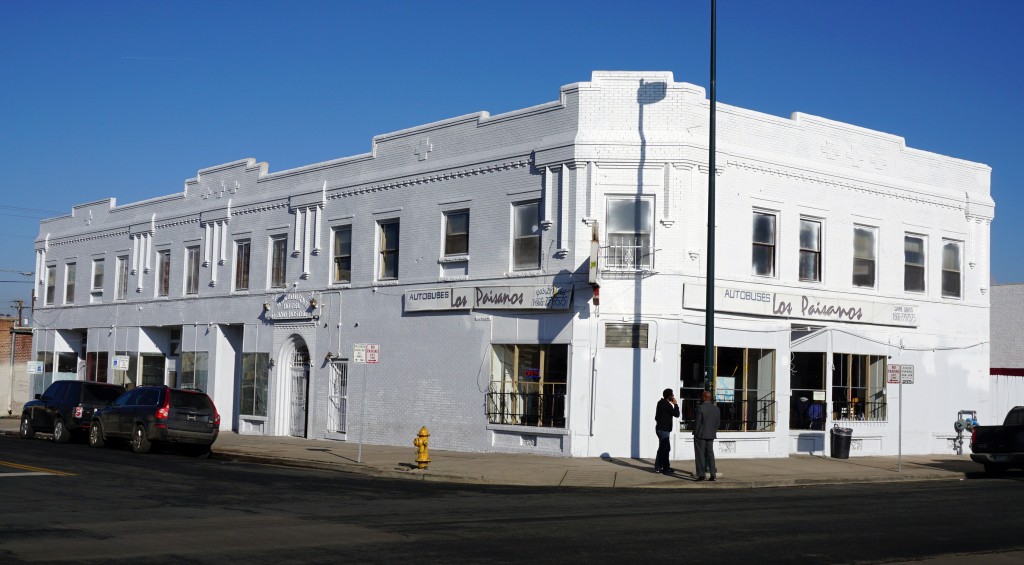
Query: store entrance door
(300, 390)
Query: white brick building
(462, 249)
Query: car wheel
(140, 443)
(60, 432)
(96, 435)
(26, 429)
(994, 470)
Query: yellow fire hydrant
(421, 442)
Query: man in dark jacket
(705, 431)
(666, 410)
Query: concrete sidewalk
(536, 470)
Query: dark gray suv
(149, 414)
(66, 408)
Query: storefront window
(807, 404)
(528, 385)
(194, 369)
(255, 376)
(858, 387)
(743, 387)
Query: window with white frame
(810, 250)
(278, 260)
(97, 274)
(192, 269)
(630, 222)
(242, 249)
(526, 236)
(864, 256)
(764, 244)
(163, 272)
(388, 250)
(456, 233)
(528, 385)
(51, 284)
(69, 283)
(255, 384)
(913, 263)
(342, 254)
(951, 277)
(121, 278)
(858, 387)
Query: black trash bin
(841, 438)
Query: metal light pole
(709, 301)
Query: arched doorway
(298, 373)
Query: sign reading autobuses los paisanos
(522, 297)
(806, 306)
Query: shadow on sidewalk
(646, 466)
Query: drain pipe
(10, 394)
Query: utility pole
(709, 300)
(21, 306)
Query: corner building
(532, 281)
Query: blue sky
(129, 99)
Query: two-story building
(532, 281)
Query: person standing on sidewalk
(705, 431)
(666, 410)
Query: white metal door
(300, 390)
(337, 419)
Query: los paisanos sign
(803, 306)
(524, 297)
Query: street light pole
(709, 301)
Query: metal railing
(633, 256)
(526, 409)
(857, 410)
(737, 415)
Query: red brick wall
(22, 344)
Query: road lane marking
(31, 470)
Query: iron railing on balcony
(628, 254)
(527, 409)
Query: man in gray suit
(705, 431)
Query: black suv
(66, 408)
(148, 414)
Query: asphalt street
(75, 503)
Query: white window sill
(453, 259)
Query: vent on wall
(625, 335)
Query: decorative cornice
(426, 179)
(70, 240)
(840, 183)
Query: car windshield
(195, 401)
(101, 393)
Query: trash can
(841, 438)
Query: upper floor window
(97, 274)
(389, 250)
(342, 254)
(69, 283)
(864, 256)
(810, 250)
(51, 284)
(629, 233)
(121, 280)
(242, 249)
(192, 270)
(163, 272)
(764, 244)
(913, 263)
(951, 268)
(526, 236)
(456, 233)
(278, 260)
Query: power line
(22, 209)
